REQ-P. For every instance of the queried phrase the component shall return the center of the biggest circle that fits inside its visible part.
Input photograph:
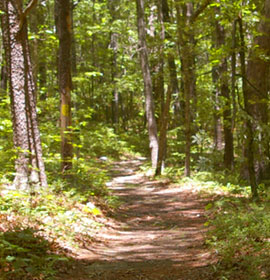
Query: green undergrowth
(60, 218)
(39, 228)
(24, 254)
(209, 182)
(240, 238)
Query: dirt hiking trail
(157, 234)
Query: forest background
(185, 83)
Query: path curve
(158, 233)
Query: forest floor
(157, 233)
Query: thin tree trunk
(188, 72)
(4, 77)
(217, 106)
(172, 89)
(224, 91)
(113, 6)
(233, 69)
(114, 73)
(163, 132)
(64, 31)
(249, 151)
(149, 100)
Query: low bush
(240, 238)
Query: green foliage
(240, 238)
(24, 254)
(6, 145)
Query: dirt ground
(157, 234)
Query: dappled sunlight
(155, 224)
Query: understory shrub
(240, 238)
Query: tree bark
(249, 147)
(185, 34)
(257, 88)
(233, 69)
(64, 31)
(29, 165)
(113, 5)
(4, 77)
(148, 91)
(218, 139)
(225, 93)
(173, 88)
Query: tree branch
(29, 7)
(200, 10)
(257, 91)
(26, 11)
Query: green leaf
(209, 206)
(10, 258)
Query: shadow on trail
(157, 234)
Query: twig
(200, 10)
(26, 11)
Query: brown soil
(157, 234)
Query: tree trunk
(29, 165)
(233, 69)
(224, 91)
(64, 31)
(149, 100)
(218, 141)
(163, 132)
(115, 92)
(188, 71)
(257, 87)
(249, 147)
(113, 6)
(4, 77)
(172, 89)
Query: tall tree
(186, 17)
(113, 7)
(257, 88)
(64, 31)
(148, 89)
(186, 42)
(29, 165)
(223, 85)
(173, 88)
(249, 143)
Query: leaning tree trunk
(30, 170)
(149, 100)
(64, 31)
